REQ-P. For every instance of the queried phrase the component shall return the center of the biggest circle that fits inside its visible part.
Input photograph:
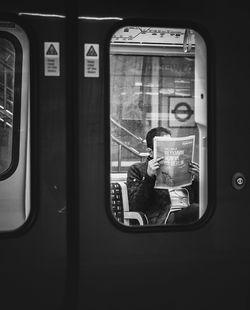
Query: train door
(32, 163)
(135, 75)
(79, 98)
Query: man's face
(162, 134)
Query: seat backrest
(119, 200)
(120, 204)
(179, 200)
(179, 197)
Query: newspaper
(174, 168)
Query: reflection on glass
(7, 75)
(153, 76)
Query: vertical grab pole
(201, 117)
(119, 157)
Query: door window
(158, 126)
(7, 97)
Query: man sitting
(156, 203)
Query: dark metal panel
(46, 7)
(33, 264)
(180, 270)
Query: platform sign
(51, 58)
(91, 60)
(181, 112)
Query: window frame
(21, 37)
(17, 104)
(210, 129)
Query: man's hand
(194, 169)
(153, 165)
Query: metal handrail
(128, 148)
(3, 63)
(11, 91)
(127, 131)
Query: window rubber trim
(17, 105)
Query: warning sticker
(91, 60)
(51, 58)
(91, 51)
(52, 50)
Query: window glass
(14, 128)
(7, 84)
(158, 126)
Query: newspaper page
(174, 168)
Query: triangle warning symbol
(51, 50)
(91, 51)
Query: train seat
(179, 198)
(120, 205)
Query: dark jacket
(155, 203)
